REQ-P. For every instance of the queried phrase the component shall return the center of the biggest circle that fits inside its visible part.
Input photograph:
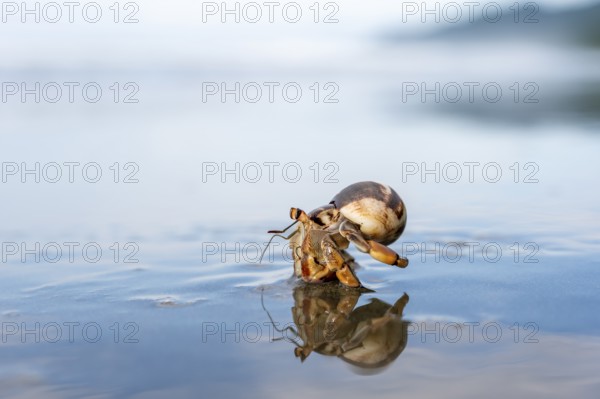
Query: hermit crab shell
(376, 208)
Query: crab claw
(386, 255)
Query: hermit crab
(370, 215)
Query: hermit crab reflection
(369, 337)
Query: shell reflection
(369, 337)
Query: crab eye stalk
(298, 214)
(294, 213)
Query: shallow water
(188, 327)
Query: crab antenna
(269, 243)
(282, 231)
(290, 340)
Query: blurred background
(374, 57)
(184, 106)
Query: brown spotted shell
(376, 208)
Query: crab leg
(334, 261)
(378, 251)
(312, 271)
